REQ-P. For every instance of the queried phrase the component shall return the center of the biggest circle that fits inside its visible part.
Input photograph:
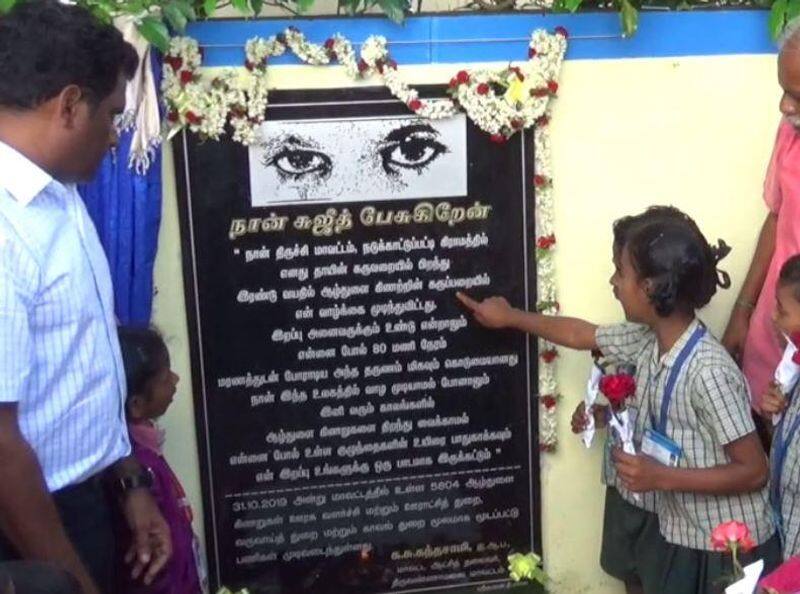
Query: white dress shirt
(59, 352)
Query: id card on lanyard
(655, 442)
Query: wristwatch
(135, 481)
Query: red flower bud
(329, 43)
(172, 116)
(543, 121)
(552, 86)
(545, 242)
(539, 181)
(174, 62)
(186, 77)
(392, 64)
(453, 83)
(498, 138)
(462, 77)
(549, 402)
(518, 72)
(516, 124)
(362, 66)
(482, 89)
(532, 52)
(549, 356)
(249, 65)
(562, 31)
(415, 105)
(193, 118)
(540, 92)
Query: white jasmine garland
(501, 103)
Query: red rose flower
(549, 356)
(186, 77)
(482, 89)
(453, 83)
(329, 43)
(552, 86)
(498, 138)
(730, 534)
(193, 118)
(549, 402)
(462, 77)
(539, 181)
(174, 62)
(415, 105)
(546, 242)
(617, 387)
(562, 31)
(172, 116)
(532, 52)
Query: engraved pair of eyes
(408, 147)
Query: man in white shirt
(63, 437)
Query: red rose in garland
(617, 388)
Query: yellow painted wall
(693, 132)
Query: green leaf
(572, 5)
(175, 17)
(209, 7)
(792, 10)
(242, 6)
(6, 5)
(394, 9)
(777, 17)
(155, 31)
(304, 5)
(256, 6)
(629, 18)
(351, 6)
(186, 9)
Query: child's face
(629, 289)
(786, 315)
(160, 392)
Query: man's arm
(736, 331)
(28, 516)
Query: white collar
(20, 176)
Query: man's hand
(736, 333)
(639, 473)
(494, 312)
(773, 402)
(152, 543)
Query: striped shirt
(710, 408)
(790, 478)
(59, 352)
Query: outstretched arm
(496, 312)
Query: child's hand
(773, 401)
(580, 418)
(494, 312)
(639, 473)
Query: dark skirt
(633, 547)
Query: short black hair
(144, 354)
(673, 254)
(46, 46)
(790, 275)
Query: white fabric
(141, 101)
(786, 374)
(592, 390)
(59, 353)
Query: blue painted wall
(480, 37)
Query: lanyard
(780, 446)
(673, 378)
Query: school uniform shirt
(710, 408)
(788, 505)
(625, 348)
(60, 360)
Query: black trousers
(85, 511)
(34, 577)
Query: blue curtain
(126, 209)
